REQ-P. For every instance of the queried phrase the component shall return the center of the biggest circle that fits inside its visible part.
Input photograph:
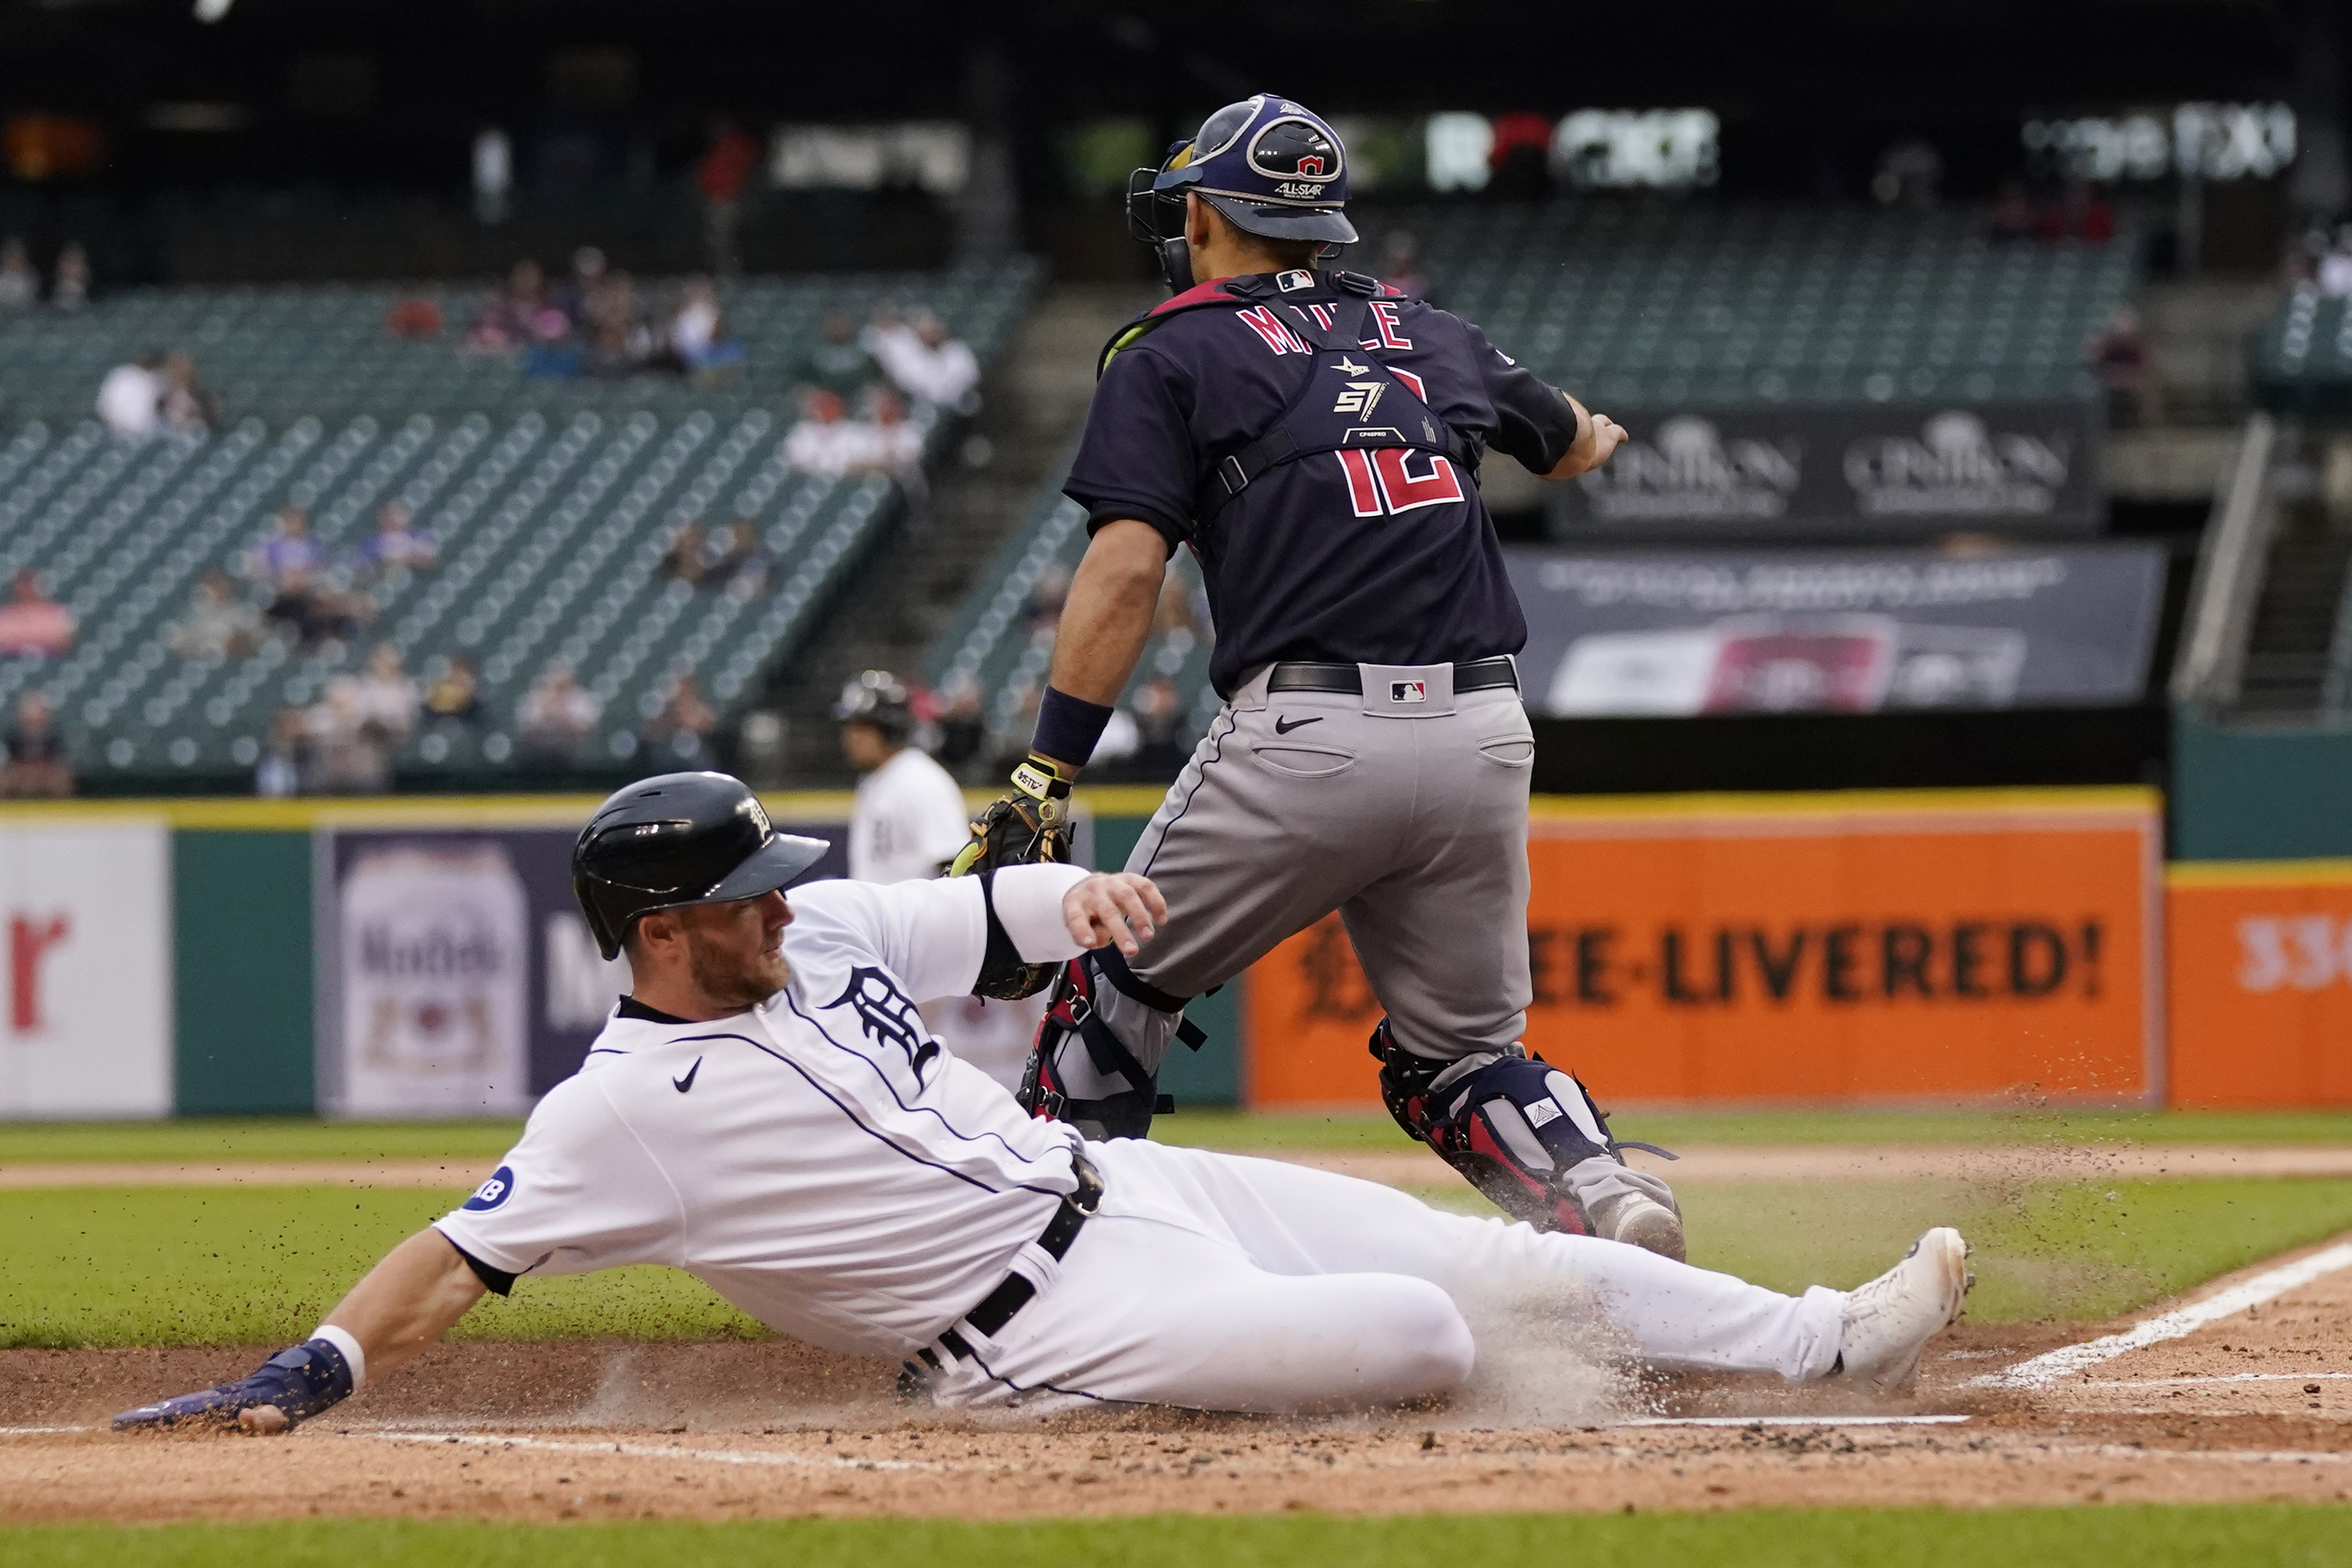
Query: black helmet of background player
(679, 839)
(1271, 166)
(877, 697)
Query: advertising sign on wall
(2259, 956)
(1884, 948)
(1836, 630)
(1867, 471)
(86, 1013)
(456, 975)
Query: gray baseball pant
(1407, 816)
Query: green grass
(203, 1139)
(158, 1265)
(2145, 1537)
(2045, 1250)
(479, 1142)
(152, 1266)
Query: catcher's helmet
(877, 698)
(1271, 166)
(680, 838)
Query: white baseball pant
(1218, 1282)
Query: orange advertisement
(1902, 946)
(2259, 961)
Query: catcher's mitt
(1028, 824)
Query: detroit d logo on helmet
(1298, 155)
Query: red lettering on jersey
(1384, 311)
(29, 942)
(1404, 491)
(1412, 383)
(1273, 331)
(1363, 491)
(1322, 316)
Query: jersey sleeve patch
(492, 1193)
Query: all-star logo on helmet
(1272, 166)
(1292, 151)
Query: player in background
(906, 823)
(764, 1111)
(1314, 438)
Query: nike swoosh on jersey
(683, 1084)
(1285, 726)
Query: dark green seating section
(2302, 357)
(552, 511)
(1724, 304)
(322, 352)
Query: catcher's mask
(1271, 166)
(679, 839)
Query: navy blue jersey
(1385, 557)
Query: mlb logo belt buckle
(1407, 690)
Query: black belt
(996, 1308)
(1478, 675)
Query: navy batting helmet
(876, 697)
(679, 839)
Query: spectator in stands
(743, 565)
(620, 342)
(507, 319)
(388, 695)
(2334, 273)
(571, 296)
(20, 286)
(898, 445)
(2081, 212)
(397, 543)
(40, 765)
(680, 733)
(698, 333)
(69, 282)
(926, 363)
(825, 443)
(455, 693)
(285, 757)
(1400, 265)
(1159, 710)
(558, 713)
(725, 167)
(957, 713)
(688, 556)
(185, 407)
(2014, 216)
(130, 398)
(288, 550)
(839, 362)
(415, 317)
(2120, 353)
(32, 625)
(220, 624)
(351, 749)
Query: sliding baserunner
(766, 1111)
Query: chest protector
(1347, 401)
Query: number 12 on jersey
(1382, 482)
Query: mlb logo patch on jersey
(1407, 691)
(492, 1193)
(1297, 278)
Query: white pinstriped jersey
(819, 1161)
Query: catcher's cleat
(297, 1383)
(1529, 1137)
(1889, 1321)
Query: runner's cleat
(1888, 1320)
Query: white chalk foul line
(2223, 1378)
(1794, 1421)
(652, 1451)
(2050, 1365)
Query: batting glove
(299, 1381)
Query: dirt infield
(2253, 1405)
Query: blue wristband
(1068, 727)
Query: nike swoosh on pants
(1285, 726)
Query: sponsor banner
(457, 974)
(86, 1018)
(2259, 982)
(1836, 630)
(1822, 948)
(1869, 470)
